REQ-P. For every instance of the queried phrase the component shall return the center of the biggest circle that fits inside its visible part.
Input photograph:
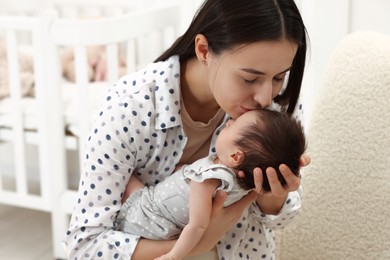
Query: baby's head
(262, 138)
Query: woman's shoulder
(151, 94)
(163, 75)
(159, 77)
(157, 71)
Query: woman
(233, 58)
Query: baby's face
(225, 145)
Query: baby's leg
(133, 185)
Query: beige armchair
(346, 190)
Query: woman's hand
(272, 202)
(221, 220)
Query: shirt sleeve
(110, 160)
(286, 215)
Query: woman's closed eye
(278, 79)
(250, 81)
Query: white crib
(41, 137)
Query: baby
(181, 204)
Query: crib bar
(16, 94)
(30, 201)
(131, 58)
(90, 32)
(81, 67)
(103, 3)
(97, 8)
(57, 140)
(112, 53)
(7, 135)
(141, 50)
(18, 23)
(156, 44)
(39, 51)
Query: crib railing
(14, 188)
(139, 36)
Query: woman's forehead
(265, 57)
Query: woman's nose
(263, 95)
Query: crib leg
(60, 224)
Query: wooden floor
(24, 234)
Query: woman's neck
(197, 96)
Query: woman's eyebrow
(257, 72)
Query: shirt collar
(167, 94)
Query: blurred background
(27, 231)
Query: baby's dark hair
(274, 139)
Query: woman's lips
(244, 109)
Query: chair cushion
(346, 189)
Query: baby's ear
(237, 158)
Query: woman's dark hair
(274, 138)
(230, 23)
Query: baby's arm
(200, 205)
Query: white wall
(370, 15)
(327, 22)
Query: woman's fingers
(304, 160)
(292, 181)
(258, 180)
(241, 174)
(276, 187)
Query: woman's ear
(237, 158)
(201, 48)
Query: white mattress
(96, 93)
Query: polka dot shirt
(139, 131)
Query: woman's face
(250, 76)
